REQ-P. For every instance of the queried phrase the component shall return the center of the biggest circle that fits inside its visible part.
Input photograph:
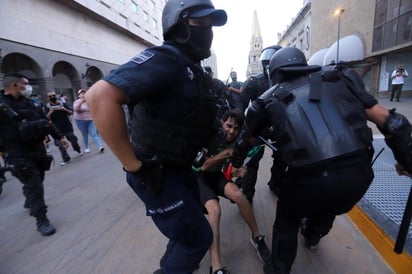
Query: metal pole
(337, 50)
(404, 227)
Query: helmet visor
(219, 17)
(267, 54)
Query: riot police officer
(2, 170)
(319, 122)
(225, 99)
(173, 115)
(23, 127)
(252, 89)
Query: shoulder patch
(143, 57)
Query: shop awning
(350, 49)
(317, 57)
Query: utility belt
(355, 161)
(19, 163)
(34, 130)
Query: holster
(154, 179)
(151, 174)
(45, 162)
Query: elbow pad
(356, 85)
(397, 131)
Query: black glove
(397, 131)
(242, 147)
(151, 174)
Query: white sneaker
(63, 163)
(87, 150)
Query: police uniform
(253, 88)
(25, 152)
(321, 131)
(222, 93)
(173, 116)
(237, 85)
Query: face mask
(27, 91)
(53, 99)
(201, 40)
(36, 101)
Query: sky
(231, 42)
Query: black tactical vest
(175, 141)
(25, 109)
(322, 120)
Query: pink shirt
(81, 110)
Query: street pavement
(102, 227)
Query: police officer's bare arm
(377, 114)
(105, 103)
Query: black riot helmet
(267, 53)
(179, 11)
(288, 62)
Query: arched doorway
(64, 77)
(21, 63)
(92, 75)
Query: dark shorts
(211, 186)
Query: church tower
(256, 46)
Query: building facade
(65, 45)
(374, 37)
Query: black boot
(27, 204)
(44, 226)
(311, 239)
(2, 179)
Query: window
(377, 38)
(393, 24)
(405, 6)
(134, 7)
(145, 16)
(380, 11)
(404, 33)
(307, 38)
(393, 9)
(154, 23)
(390, 34)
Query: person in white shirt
(398, 79)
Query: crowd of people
(288, 107)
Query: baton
(272, 147)
(227, 80)
(377, 155)
(404, 227)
